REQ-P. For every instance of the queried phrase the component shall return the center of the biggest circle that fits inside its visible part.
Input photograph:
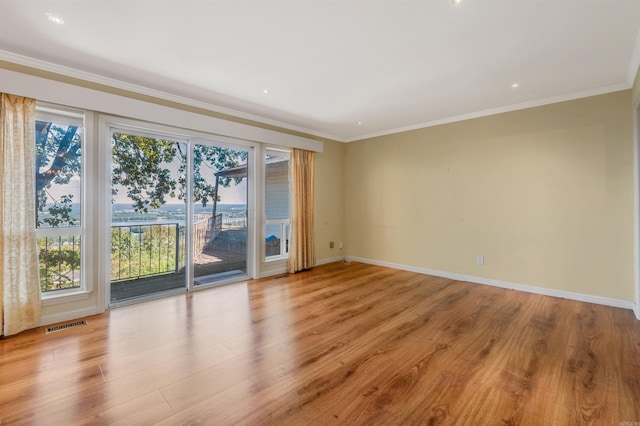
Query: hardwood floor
(342, 344)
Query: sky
(235, 194)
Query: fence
(59, 259)
(205, 230)
(146, 250)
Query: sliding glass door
(220, 213)
(148, 215)
(178, 214)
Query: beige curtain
(19, 274)
(302, 251)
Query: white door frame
(636, 202)
(189, 137)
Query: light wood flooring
(341, 344)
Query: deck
(224, 258)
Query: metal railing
(200, 233)
(138, 250)
(234, 219)
(146, 250)
(59, 258)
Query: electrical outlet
(480, 259)
(340, 245)
(330, 244)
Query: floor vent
(280, 277)
(64, 326)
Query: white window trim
(107, 124)
(79, 117)
(285, 152)
(109, 103)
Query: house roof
(272, 165)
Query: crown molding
(142, 90)
(27, 61)
(499, 110)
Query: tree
(58, 159)
(141, 166)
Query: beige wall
(636, 89)
(329, 200)
(545, 194)
(329, 195)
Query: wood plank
(147, 409)
(341, 344)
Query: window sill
(50, 299)
(276, 258)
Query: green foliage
(141, 166)
(138, 251)
(59, 259)
(60, 212)
(58, 160)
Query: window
(59, 184)
(179, 210)
(276, 203)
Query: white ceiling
(329, 65)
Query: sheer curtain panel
(19, 273)
(302, 251)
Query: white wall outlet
(480, 259)
(340, 245)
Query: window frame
(65, 115)
(284, 254)
(108, 123)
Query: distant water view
(122, 213)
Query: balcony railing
(59, 258)
(150, 249)
(146, 250)
(138, 250)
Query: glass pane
(276, 204)
(273, 240)
(277, 187)
(59, 259)
(139, 251)
(220, 209)
(148, 216)
(58, 169)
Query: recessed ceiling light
(359, 123)
(515, 85)
(457, 1)
(55, 19)
(265, 91)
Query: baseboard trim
(329, 260)
(283, 270)
(272, 272)
(68, 316)
(616, 303)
